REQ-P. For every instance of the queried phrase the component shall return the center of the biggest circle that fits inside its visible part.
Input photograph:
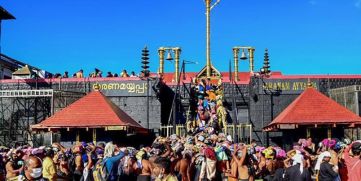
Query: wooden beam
(308, 132)
(77, 138)
(95, 136)
(329, 132)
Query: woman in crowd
(204, 156)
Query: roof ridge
(313, 107)
(92, 110)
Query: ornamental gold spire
(309, 83)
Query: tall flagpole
(209, 7)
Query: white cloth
(298, 159)
(208, 169)
(320, 159)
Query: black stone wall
(131, 100)
(255, 104)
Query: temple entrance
(317, 134)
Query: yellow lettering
(104, 86)
(285, 86)
(117, 86)
(274, 86)
(264, 85)
(122, 86)
(279, 86)
(304, 85)
(131, 87)
(295, 86)
(139, 89)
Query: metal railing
(244, 131)
(27, 93)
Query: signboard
(286, 86)
(287, 126)
(115, 128)
(122, 88)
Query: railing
(26, 93)
(244, 131)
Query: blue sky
(303, 36)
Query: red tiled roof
(312, 107)
(91, 111)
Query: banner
(123, 88)
(286, 86)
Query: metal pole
(267, 133)
(148, 102)
(52, 104)
(174, 109)
(1, 71)
(174, 100)
(230, 71)
(184, 70)
(0, 35)
(208, 35)
(51, 137)
(234, 107)
(174, 115)
(262, 113)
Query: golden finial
(309, 83)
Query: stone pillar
(161, 60)
(235, 56)
(251, 59)
(176, 61)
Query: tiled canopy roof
(92, 111)
(313, 108)
(23, 71)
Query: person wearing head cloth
(297, 172)
(327, 172)
(352, 160)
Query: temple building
(261, 105)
